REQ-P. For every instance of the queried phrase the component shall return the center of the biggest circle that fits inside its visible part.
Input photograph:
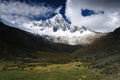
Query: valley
(59, 39)
(25, 56)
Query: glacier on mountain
(57, 30)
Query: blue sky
(96, 15)
(54, 4)
(47, 3)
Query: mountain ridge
(58, 30)
(103, 54)
(19, 38)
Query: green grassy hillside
(103, 54)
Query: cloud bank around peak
(105, 22)
(21, 11)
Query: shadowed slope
(17, 43)
(104, 53)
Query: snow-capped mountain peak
(57, 17)
(58, 30)
(57, 23)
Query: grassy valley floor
(69, 71)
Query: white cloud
(21, 12)
(58, 9)
(100, 22)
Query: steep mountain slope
(17, 43)
(57, 30)
(104, 53)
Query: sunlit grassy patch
(69, 71)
